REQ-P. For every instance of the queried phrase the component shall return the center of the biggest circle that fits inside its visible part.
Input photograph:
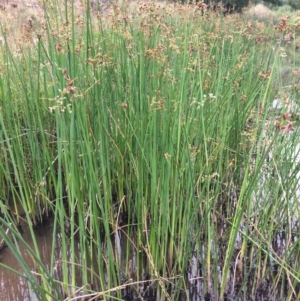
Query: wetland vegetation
(146, 135)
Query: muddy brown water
(15, 288)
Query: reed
(139, 123)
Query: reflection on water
(14, 287)
(133, 267)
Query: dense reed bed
(157, 124)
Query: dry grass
(22, 21)
(19, 20)
(260, 11)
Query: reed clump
(150, 124)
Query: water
(14, 287)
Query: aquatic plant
(144, 126)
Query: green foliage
(150, 126)
(273, 2)
(294, 4)
(239, 4)
(229, 4)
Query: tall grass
(154, 125)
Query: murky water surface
(12, 286)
